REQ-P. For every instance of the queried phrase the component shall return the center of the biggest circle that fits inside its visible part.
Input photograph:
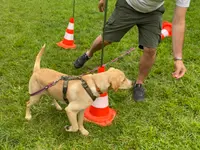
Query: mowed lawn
(168, 119)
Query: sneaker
(81, 61)
(138, 93)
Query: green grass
(169, 118)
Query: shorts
(124, 17)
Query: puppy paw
(84, 132)
(70, 129)
(67, 127)
(58, 108)
(28, 117)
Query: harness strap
(86, 87)
(66, 79)
(65, 87)
(84, 84)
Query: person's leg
(146, 63)
(149, 28)
(96, 45)
(120, 22)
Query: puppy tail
(38, 58)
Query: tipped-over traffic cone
(166, 29)
(99, 112)
(68, 41)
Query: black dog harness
(65, 87)
(84, 84)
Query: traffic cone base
(61, 44)
(104, 120)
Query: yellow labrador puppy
(78, 92)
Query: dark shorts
(124, 17)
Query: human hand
(101, 5)
(179, 69)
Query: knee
(107, 43)
(150, 51)
(100, 39)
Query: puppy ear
(115, 85)
(116, 82)
(101, 81)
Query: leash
(46, 87)
(112, 61)
(91, 71)
(84, 84)
(66, 79)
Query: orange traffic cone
(68, 41)
(99, 112)
(166, 29)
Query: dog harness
(84, 84)
(65, 87)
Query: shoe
(81, 61)
(138, 93)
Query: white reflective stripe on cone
(69, 36)
(70, 26)
(101, 102)
(164, 32)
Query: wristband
(177, 58)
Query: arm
(178, 29)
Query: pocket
(161, 9)
(112, 18)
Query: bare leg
(96, 45)
(146, 62)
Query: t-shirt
(146, 6)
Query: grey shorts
(124, 17)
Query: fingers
(101, 7)
(179, 69)
(179, 73)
